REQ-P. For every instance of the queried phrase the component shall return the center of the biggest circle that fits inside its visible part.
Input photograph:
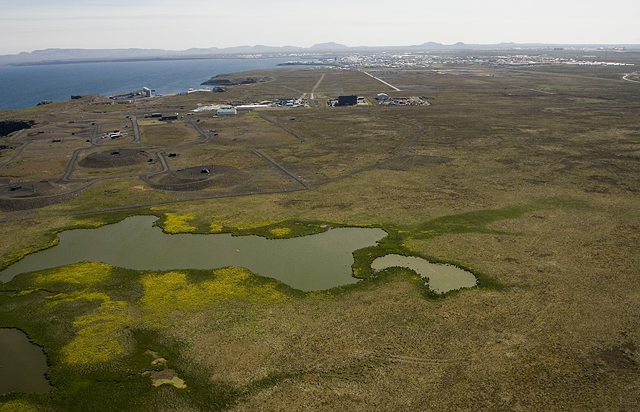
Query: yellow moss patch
(76, 296)
(176, 223)
(18, 406)
(175, 381)
(99, 338)
(283, 231)
(216, 227)
(83, 273)
(218, 223)
(88, 223)
(168, 292)
(242, 225)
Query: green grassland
(528, 177)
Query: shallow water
(442, 278)
(307, 263)
(22, 364)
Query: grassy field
(527, 176)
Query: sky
(27, 25)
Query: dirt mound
(114, 158)
(33, 195)
(198, 178)
(26, 189)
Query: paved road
(629, 80)
(205, 136)
(136, 131)
(94, 136)
(70, 166)
(279, 168)
(381, 81)
(163, 161)
(15, 136)
(316, 86)
(17, 153)
(283, 127)
(533, 90)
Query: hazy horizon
(161, 24)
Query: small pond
(22, 364)
(307, 263)
(442, 278)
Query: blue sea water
(25, 86)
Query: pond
(22, 364)
(442, 278)
(308, 263)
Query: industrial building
(347, 101)
(227, 111)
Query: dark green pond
(22, 364)
(307, 263)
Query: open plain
(529, 177)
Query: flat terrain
(527, 176)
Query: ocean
(26, 86)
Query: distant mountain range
(50, 56)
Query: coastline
(26, 85)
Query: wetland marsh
(316, 262)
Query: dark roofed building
(347, 100)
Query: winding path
(70, 166)
(205, 136)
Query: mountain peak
(328, 46)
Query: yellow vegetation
(83, 273)
(175, 223)
(242, 225)
(216, 227)
(175, 381)
(218, 224)
(19, 405)
(99, 336)
(76, 296)
(281, 231)
(168, 292)
(88, 223)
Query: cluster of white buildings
(420, 60)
